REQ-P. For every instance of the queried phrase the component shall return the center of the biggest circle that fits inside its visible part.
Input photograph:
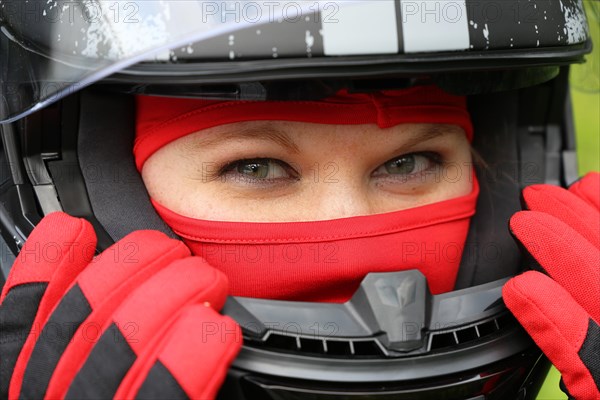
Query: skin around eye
(316, 172)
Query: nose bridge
(341, 193)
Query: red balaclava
(319, 260)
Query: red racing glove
(139, 321)
(560, 306)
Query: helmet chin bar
(392, 330)
(390, 315)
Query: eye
(409, 164)
(259, 169)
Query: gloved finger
(56, 251)
(588, 189)
(193, 359)
(211, 291)
(58, 241)
(141, 321)
(97, 290)
(540, 304)
(567, 207)
(564, 254)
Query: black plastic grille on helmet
(372, 347)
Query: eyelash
(233, 166)
(435, 158)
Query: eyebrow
(426, 133)
(265, 132)
(268, 132)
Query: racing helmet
(68, 64)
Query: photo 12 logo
(269, 11)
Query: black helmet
(62, 61)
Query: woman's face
(274, 171)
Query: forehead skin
(336, 165)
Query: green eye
(255, 169)
(409, 164)
(401, 166)
(259, 169)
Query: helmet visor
(50, 48)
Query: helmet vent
(338, 347)
(372, 347)
(449, 338)
(282, 342)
